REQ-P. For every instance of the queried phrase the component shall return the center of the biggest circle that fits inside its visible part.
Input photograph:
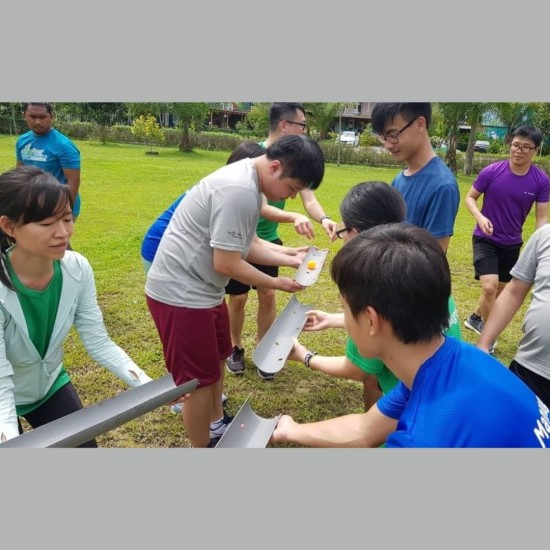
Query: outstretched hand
(298, 351)
(288, 285)
(330, 227)
(320, 320)
(281, 432)
(303, 226)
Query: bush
(368, 139)
(147, 129)
(76, 130)
(496, 147)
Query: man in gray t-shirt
(532, 270)
(210, 239)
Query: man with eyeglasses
(427, 184)
(509, 188)
(285, 119)
(429, 187)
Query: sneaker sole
(471, 327)
(237, 372)
(268, 377)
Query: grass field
(123, 191)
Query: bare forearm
(274, 214)
(354, 430)
(471, 205)
(263, 255)
(503, 311)
(249, 275)
(340, 367)
(73, 181)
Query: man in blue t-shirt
(48, 149)
(427, 184)
(450, 393)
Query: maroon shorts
(194, 341)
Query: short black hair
(401, 271)
(246, 149)
(301, 157)
(282, 111)
(47, 106)
(372, 203)
(529, 132)
(384, 113)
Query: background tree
(147, 128)
(541, 120)
(320, 116)
(190, 116)
(513, 115)
(12, 112)
(104, 115)
(159, 110)
(258, 118)
(453, 114)
(473, 117)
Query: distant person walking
(509, 188)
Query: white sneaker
(178, 407)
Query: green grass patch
(123, 191)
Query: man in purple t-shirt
(509, 188)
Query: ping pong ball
(311, 264)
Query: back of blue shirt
(154, 234)
(463, 397)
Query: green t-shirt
(454, 323)
(386, 379)
(39, 307)
(267, 229)
(40, 310)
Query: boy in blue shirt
(449, 394)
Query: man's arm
(444, 243)
(506, 306)
(541, 214)
(73, 181)
(315, 210)
(369, 429)
(483, 223)
(230, 264)
(266, 255)
(302, 224)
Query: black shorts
(537, 383)
(236, 288)
(494, 259)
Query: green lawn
(123, 191)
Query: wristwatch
(308, 357)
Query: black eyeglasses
(394, 138)
(340, 231)
(522, 148)
(302, 124)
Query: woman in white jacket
(45, 290)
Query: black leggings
(63, 402)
